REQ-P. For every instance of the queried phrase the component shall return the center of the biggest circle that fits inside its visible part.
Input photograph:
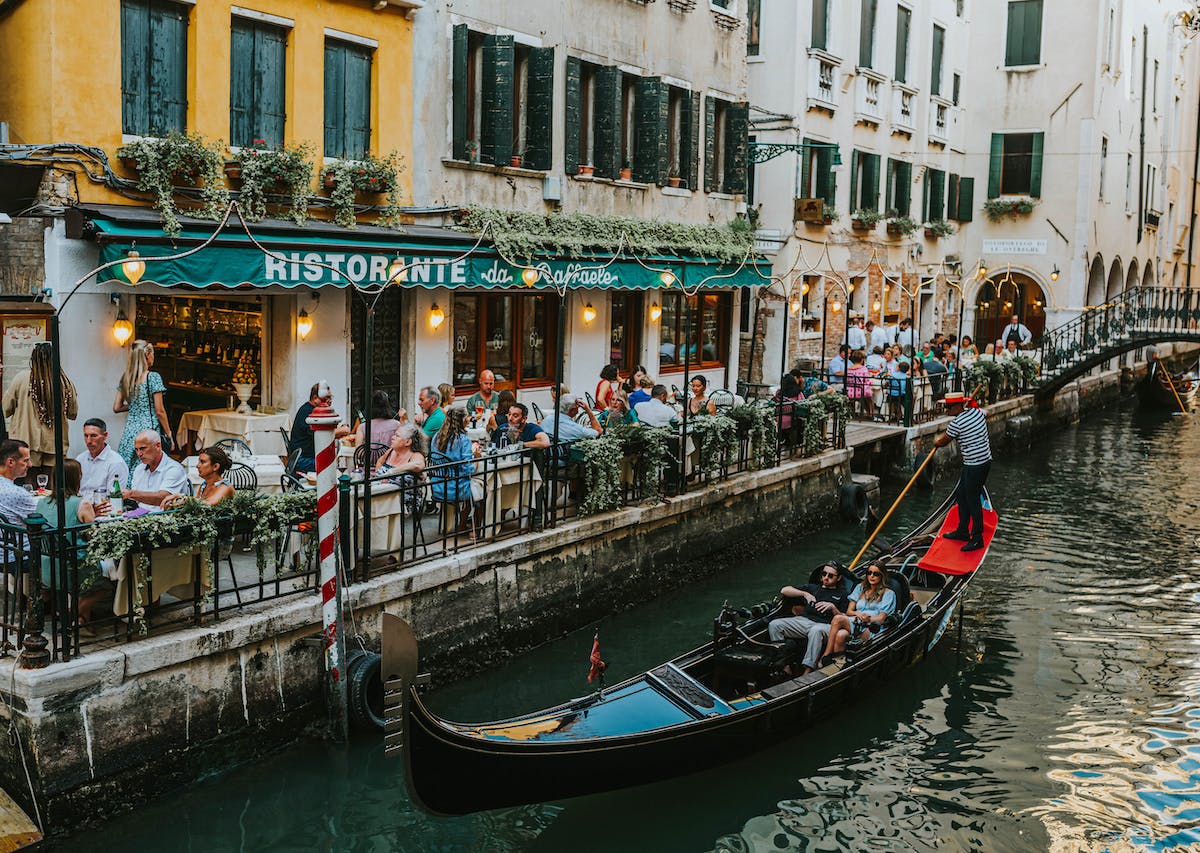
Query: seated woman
(78, 512)
(211, 465)
(405, 463)
(967, 353)
(870, 606)
(451, 482)
(858, 382)
(699, 403)
(789, 392)
(617, 413)
(384, 421)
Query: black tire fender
(852, 502)
(364, 687)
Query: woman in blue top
(79, 513)
(141, 394)
(870, 606)
(453, 460)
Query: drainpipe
(1195, 180)
(1142, 143)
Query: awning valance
(233, 261)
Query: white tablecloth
(169, 573)
(268, 469)
(509, 485)
(261, 432)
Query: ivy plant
(759, 425)
(286, 170)
(716, 436)
(164, 163)
(939, 228)
(650, 450)
(601, 474)
(368, 175)
(998, 208)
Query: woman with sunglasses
(871, 603)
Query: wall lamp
(589, 313)
(1054, 273)
(122, 329)
(655, 311)
(436, 316)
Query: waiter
(1016, 331)
(969, 429)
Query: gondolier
(969, 429)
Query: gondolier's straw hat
(957, 399)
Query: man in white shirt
(158, 477)
(1016, 331)
(905, 336)
(568, 428)
(100, 463)
(879, 335)
(655, 412)
(856, 338)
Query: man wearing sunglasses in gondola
(818, 604)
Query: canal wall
(120, 726)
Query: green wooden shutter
(572, 105)
(648, 128)
(690, 131)
(270, 70)
(460, 73)
(358, 102)
(710, 148)
(936, 179)
(737, 129)
(925, 195)
(966, 199)
(241, 83)
(871, 181)
(806, 155)
(664, 135)
(1035, 167)
(888, 182)
(866, 33)
(539, 115)
(335, 99)
(820, 24)
(496, 143)
(135, 68)
(995, 165)
(952, 198)
(826, 182)
(939, 43)
(1023, 46)
(168, 68)
(854, 200)
(903, 23)
(904, 188)
(607, 106)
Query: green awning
(233, 261)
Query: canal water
(1067, 719)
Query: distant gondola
(1155, 389)
(705, 707)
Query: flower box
(586, 170)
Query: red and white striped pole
(324, 421)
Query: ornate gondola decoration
(707, 706)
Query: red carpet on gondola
(946, 556)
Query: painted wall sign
(1014, 247)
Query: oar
(884, 520)
(1171, 384)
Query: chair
(287, 442)
(373, 451)
(723, 399)
(234, 447)
(537, 413)
(293, 460)
(243, 478)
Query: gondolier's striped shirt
(969, 429)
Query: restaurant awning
(363, 256)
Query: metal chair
(723, 399)
(293, 460)
(243, 478)
(537, 413)
(234, 446)
(374, 452)
(287, 442)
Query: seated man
(520, 431)
(822, 602)
(655, 412)
(301, 436)
(568, 429)
(158, 477)
(16, 504)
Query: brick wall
(22, 257)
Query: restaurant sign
(314, 267)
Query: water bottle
(116, 501)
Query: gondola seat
(755, 663)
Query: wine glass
(43, 481)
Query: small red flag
(598, 666)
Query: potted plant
(900, 226)
(938, 228)
(515, 160)
(865, 220)
(473, 151)
(371, 175)
(673, 178)
(173, 160)
(287, 170)
(998, 208)
(586, 169)
(627, 172)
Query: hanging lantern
(397, 271)
(794, 304)
(133, 267)
(122, 329)
(655, 311)
(436, 316)
(530, 276)
(589, 313)
(304, 324)
(667, 278)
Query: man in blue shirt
(568, 428)
(520, 431)
(837, 365)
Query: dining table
(260, 431)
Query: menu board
(20, 336)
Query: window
(1015, 167)
(820, 24)
(628, 120)
(1132, 75)
(347, 99)
(153, 67)
(625, 330)
(707, 336)
(683, 109)
(898, 194)
(745, 314)
(903, 24)
(866, 34)
(958, 8)
(1103, 164)
(817, 179)
(726, 127)
(960, 198)
(1110, 39)
(956, 90)
(939, 48)
(1154, 90)
(516, 85)
(1024, 45)
(510, 335)
(753, 26)
(257, 53)
(935, 195)
(1128, 183)
(864, 181)
(1151, 193)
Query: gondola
(716, 703)
(1155, 389)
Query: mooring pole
(324, 421)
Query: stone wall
(22, 256)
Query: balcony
(868, 98)
(939, 121)
(904, 109)
(822, 80)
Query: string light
(667, 278)
(794, 303)
(530, 276)
(133, 268)
(837, 306)
(397, 271)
